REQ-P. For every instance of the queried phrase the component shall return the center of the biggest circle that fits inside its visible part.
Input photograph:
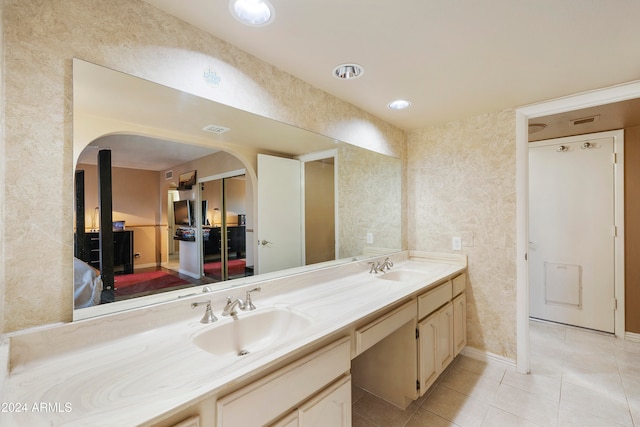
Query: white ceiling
(451, 58)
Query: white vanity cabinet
(442, 329)
(301, 391)
(459, 323)
(331, 407)
(435, 345)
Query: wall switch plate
(369, 238)
(456, 243)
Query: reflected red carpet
(236, 268)
(129, 284)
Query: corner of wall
(2, 168)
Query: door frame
(320, 155)
(618, 209)
(522, 115)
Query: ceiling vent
(584, 120)
(216, 129)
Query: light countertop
(127, 369)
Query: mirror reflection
(265, 197)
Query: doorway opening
(523, 115)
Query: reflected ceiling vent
(584, 120)
(216, 129)
(536, 127)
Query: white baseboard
(631, 336)
(487, 357)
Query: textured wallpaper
(40, 38)
(461, 182)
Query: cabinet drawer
(269, 397)
(459, 284)
(377, 330)
(434, 299)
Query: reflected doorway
(319, 210)
(223, 207)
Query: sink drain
(243, 352)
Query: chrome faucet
(380, 267)
(230, 308)
(208, 317)
(247, 304)
(386, 265)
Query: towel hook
(587, 145)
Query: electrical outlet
(456, 243)
(369, 238)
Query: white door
(571, 231)
(279, 214)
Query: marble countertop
(135, 373)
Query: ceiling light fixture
(252, 12)
(348, 71)
(399, 104)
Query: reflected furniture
(122, 253)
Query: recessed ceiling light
(348, 71)
(252, 12)
(399, 104)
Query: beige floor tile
(358, 420)
(379, 412)
(424, 418)
(585, 362)
(542, 385)
(595, 402)
(486, 369)
(568, 417)
(456, 407)
(531, 407)
(499, 418)
(607, 384)
(471, 384)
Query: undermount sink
(250, 332)
(404, 276)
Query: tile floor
(578, 378)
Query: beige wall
(632, 228)
(136, 200)
(39, 40)
(461, 182)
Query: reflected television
(182, 212)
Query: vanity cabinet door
(435, 346)
(332, 407)
(445, 337)
(291, 420)
(459, 323)
(427, 352)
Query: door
(571, 232)
(279, 214)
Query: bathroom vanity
(290, 362)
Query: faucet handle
(248, 304)
(208, 317)
(374, 267)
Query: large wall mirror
(206, 195)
